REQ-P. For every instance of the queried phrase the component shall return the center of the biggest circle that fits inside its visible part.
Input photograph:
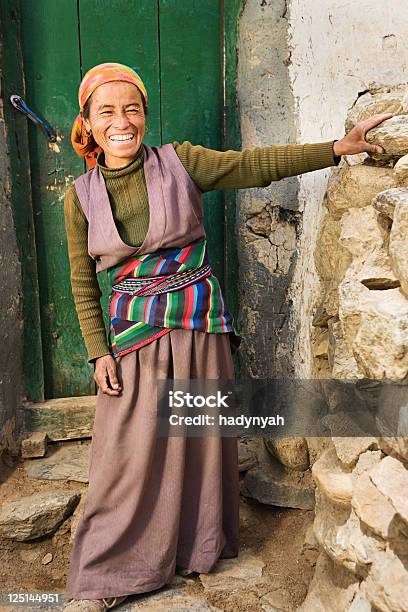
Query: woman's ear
(87, 125)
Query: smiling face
(117, 121)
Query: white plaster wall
(338, 47)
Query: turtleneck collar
(135, 164)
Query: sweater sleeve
(258, 167)
(84, 282)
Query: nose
(121, 121)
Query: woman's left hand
(355, 141)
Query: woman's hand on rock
(105, 375)
(354, 142)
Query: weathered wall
(10, 296)
(266, 109)
(301, 66)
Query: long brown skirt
(154, 502)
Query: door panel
(127, 32)
(52, 72)
(191, 94)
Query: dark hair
(87, 106)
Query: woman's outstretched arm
(259, 167)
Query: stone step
(67, 462)
(63, 418)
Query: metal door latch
(51, 135)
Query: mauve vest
(175, 209)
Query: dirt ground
(273, 535)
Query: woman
(155, 504)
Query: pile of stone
(361, 332)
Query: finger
(370, 148)
(106, 389)
(113, 380)
(110, 391)
(101, 380)
(368, 124)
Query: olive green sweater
(127, 191)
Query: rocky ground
(272, 572)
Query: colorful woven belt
(171, 288)
(154, 285)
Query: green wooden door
(175, 45)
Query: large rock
(395, 446)
(234, 574)
(391, 135)
(349, 449)
(247, 458)
(360, 603)
(360, 231)
(170, 600)
(332, 478)
(391, 479)
(276, 601)
(386, 201)
(331, 258)
(37, 515)
(69, 462)
(375, 329)
(340, 355)
(401, 171)
(386, 585)
(331, 299)
(373, 271)
(366, 238)
(370, 104)
(34, 446)
(291, 452)
(63, 418)
(392, 419)
(348, 546)
(321, 345)
(329, 515)
(356, 186)
(371, 506)
(398, 247)
(333, 588)
(276, 486)
(366, 462)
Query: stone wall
(361, 508)
(323, 279)
(301, 66)
(356, 485)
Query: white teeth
(120, 138)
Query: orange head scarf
(84, 144)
